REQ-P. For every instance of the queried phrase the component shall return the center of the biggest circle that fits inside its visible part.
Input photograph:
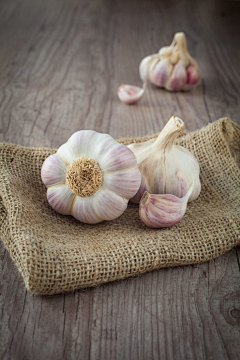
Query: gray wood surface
(60, 65)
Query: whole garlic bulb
(166, 168)
(91, 177)
(172, 67)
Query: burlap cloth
(56, 253)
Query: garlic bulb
(91, 177)
(130, 94)
(166, 168)
(172, 68)
(163, 210)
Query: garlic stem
(169, 133)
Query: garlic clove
(144, 67)
(83, 209)
(60, 198)
(178, 78)
(193, 77)
(53, 170)
(109, 205)
(154, 61)
(161, 72)
(117, 158)
(164, 210)
(100, 145)
(130, 94)
(123, 183)
(76, 146)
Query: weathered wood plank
(60, 65)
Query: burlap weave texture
(56, 253)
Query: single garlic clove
(123, 183)
(109, 204)
(60, 198)
(161, 72)
(144, 67)
(53, 170)
(130, 94)
(178, 78)
(83, 209)
(158, 211)
(193, 77)
(117, 158)
(76, 146)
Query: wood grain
(60, 65)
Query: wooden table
(61, 63)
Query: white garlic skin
(166, 168)
(172, 67)
(91, 177)
(144, 67)
(161, 72)
(163, 210)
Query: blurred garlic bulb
(166, 168)
(91, 177)
(163, 210)
(172, 68)
(130, 94)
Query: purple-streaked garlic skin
(178, 78)
(172, 67)
(161, 72)
(144, 67)
(107, 168)
(165, 210)
(193, 77)
(53, 170)
(130, 94)
(166, 168)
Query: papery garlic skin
(130, 94)
(192, 77)
(163, 210)
(161, 72)
(172, 68)
(166, 168)
(91, 177)
(178, 78)
(144, 66)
